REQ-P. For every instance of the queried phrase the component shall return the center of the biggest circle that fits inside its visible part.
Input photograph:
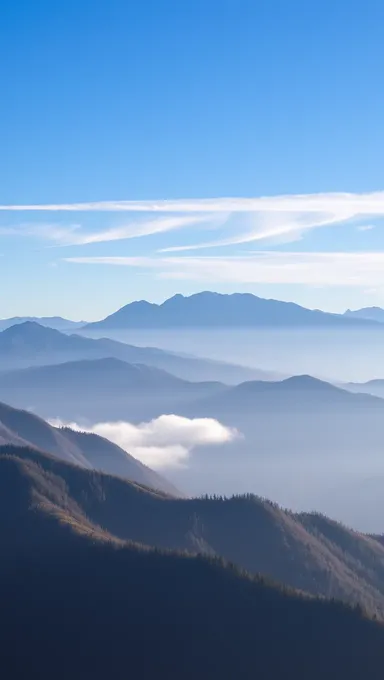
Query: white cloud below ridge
(164, 442)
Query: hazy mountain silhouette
(30, 344)
(367, 313)
(99, 389)
(296, 394)
(56, 322)
(87, 450)
(78, 602)
(212, 310)
(112, 389)
(372, 387)
(300, 415)
(101, 373)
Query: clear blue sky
(106, 101)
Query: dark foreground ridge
(305, 551)
(79, 603)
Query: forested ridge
(78, 602)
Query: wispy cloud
(274, 227)
(314, 268)
(164, 442)
(270, 218)
(144, 228)
(365, 227)
(75, 235)
(48, 232)
(369, 203)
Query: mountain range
(308, 552)
(84, 601)
(98, 373)
(30, 344)
(301, 419)
(210, 310)
(300, 393)
(295, 436)
(214, 310)
(305, 551)
(113, 389)
(56, 322)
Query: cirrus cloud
(368, 203)
(75, 235)
(243, 220)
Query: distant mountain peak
(29, 330)
(208, 309)
(28, 326)
(306, 381)
(56, 322)
(366, 313)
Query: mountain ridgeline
(366, 313)
(55, 322)
(84, 449)
(308, 552)
(84, 602)
(214, 310)
(108, 570)
(31, 344)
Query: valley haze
(298, 441)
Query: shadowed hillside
(308, 552)
(78, 603)
(87, 450)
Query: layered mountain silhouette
(300, 415)
(30, 344)
(99, 389)
(214, 310)
(87, 450)
(372, 387)
(296, 394)
(56, 322)
(100, 373)
(111, 389)
(367, 313)
(79, 601)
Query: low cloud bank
(164, 442)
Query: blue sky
(153, 115)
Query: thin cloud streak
(268, 267)
(73, 235)
(138, 229)
(48, 232)
(273, 227)
(368, 203)
(280, 219)
(273, 219)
